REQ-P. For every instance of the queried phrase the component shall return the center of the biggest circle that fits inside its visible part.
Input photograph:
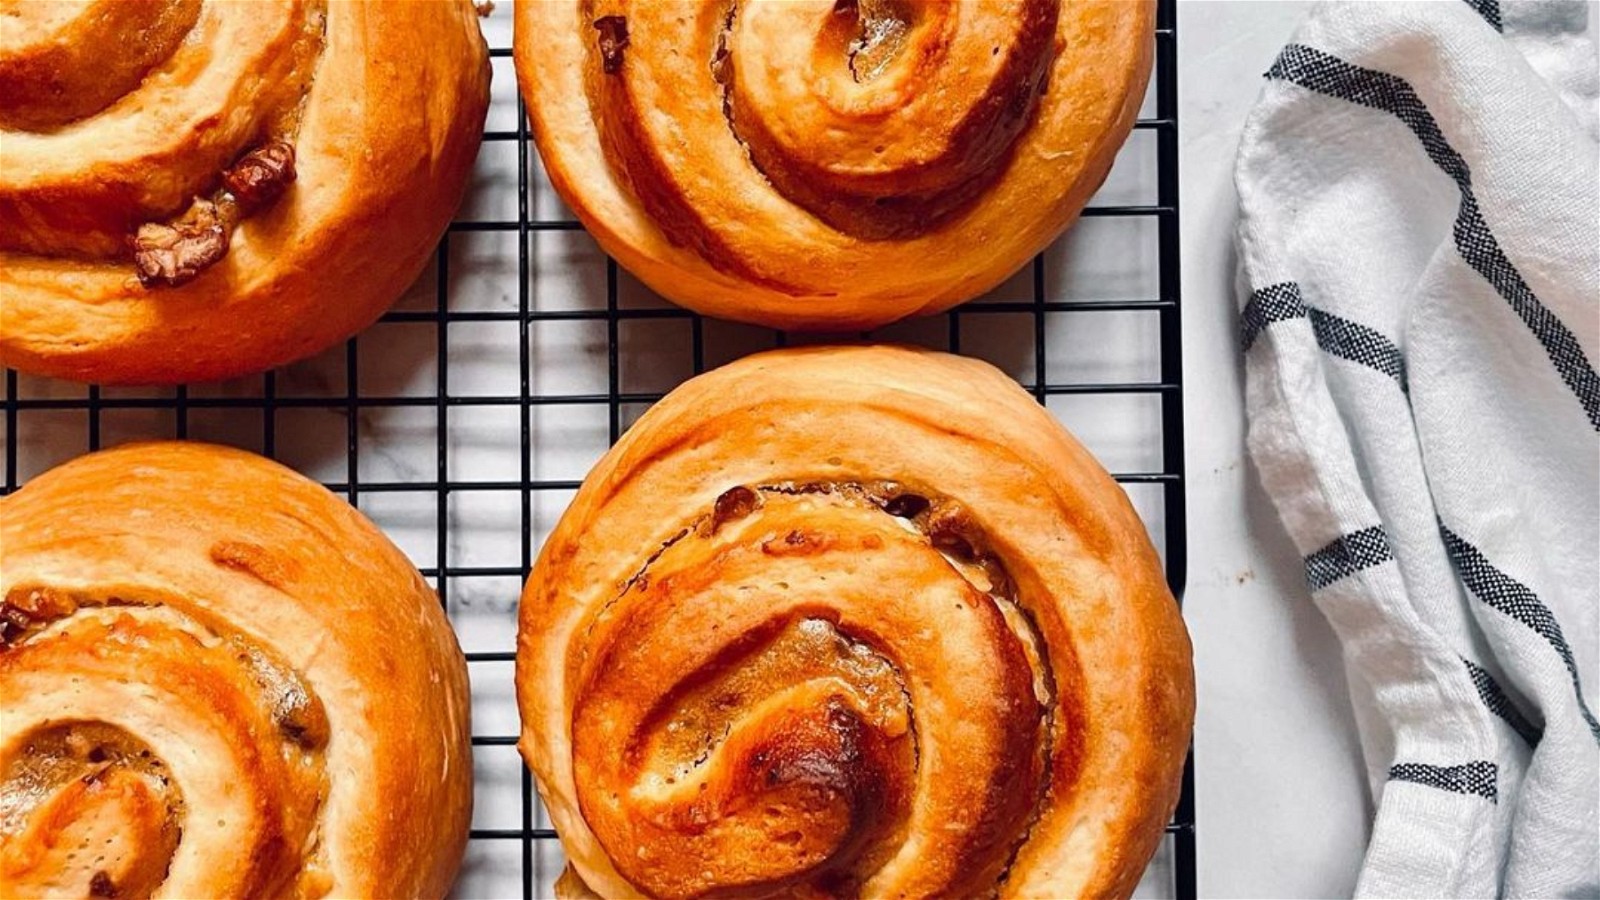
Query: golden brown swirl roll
(853, 621)
(219, 680)
(829, 164)
(196, 189)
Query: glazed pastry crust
(385, 137)
(761, 495)
(752, 240)
(221, 601)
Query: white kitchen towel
(1420, 278)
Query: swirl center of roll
(919, 102)
(881, 118)
(87, 810)
(163, 727)
(799, 681)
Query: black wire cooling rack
(509, 345)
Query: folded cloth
(1420, 263)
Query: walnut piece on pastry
(199, 189)
(852, 621)
(174, 253)
(829, 164)
(219, 680)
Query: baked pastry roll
(196, 190)
(852, 621)
(219, 680)
(829, 164)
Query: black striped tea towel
(1420, 263)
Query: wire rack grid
(465, 419)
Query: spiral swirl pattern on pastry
(200, 189)
(200, 658)
(821, 164)
(853, 621)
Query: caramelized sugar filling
(87, 809)
(687, 725)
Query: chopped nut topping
(101, 886)
(174, 254)
(613, 39)
(300, 717)
(948, 530)
(906, 506)
(261, 176)
(42, 603)
(27, 608)
(733, 504)
(798, 542)
(296, 711)
(884, 26)
(13, 622)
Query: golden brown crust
(853, 620)
(227, 681)
(383, 104)
(825, 165)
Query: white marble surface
(1281, 803)
(1282, 800)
